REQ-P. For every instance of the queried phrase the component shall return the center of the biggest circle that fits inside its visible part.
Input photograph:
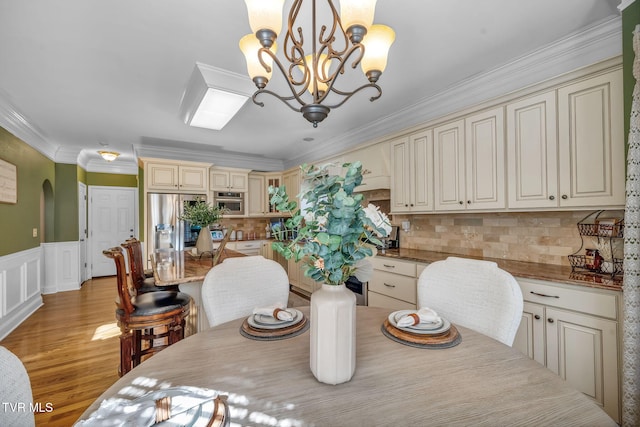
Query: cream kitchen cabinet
(591, 142)
(532, 152)
(575, 333)
(181, 177)
(256, 196)
(469, 164)
(291, 181)
(227, 179)
(412, 178)
(375, 165)
(393, 284)
(298, 279)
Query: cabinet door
(193, 178)
(219, 180)
(484, 158)
(291, 181)
(275, 181)
(532, 159)
(448, 166)
(162, 176)
(238, 181)
(375, 165)
(591, 142)
(400, 176)
(582, 350)
(257, 197)
(530, 338)
(421, 168)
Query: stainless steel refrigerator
(164, 229)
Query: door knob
(537, 317)
(550, 320)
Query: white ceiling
(81, 73)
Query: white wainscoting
(20, 288)
(61, 267)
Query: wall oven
(232, 202)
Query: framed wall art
(8, 183)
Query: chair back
(15, 389)
(233, 288)
(136, 263)
(125, 290)
(217, 257)
(475, 294)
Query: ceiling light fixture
(346, 39)
(109, 156)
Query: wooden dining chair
(236, 286)
(142, 279)
(475, 294)
(149, 322)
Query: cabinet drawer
(394, 285)
(591, 302)
(254, 244)
(419, 269)
(377, 300)
(394, 266)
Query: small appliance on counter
(393, 241)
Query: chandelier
(347, 40)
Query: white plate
(423, 329)
(261, 321)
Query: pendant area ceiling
(92, 73)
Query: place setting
(274, 323)
(422, 328)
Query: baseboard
(16, 317)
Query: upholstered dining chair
(149, 322)
(15, 390)
(236, 286)
(475, 294)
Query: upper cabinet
(227, 179)
(469, 162)
(412, 181)
(256, 197)
(375, 165)
(591, 142)
(178, 177)
(532, 152)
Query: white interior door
(82, 232)
(112, 220)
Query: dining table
(478, 382)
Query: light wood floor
(71, 350)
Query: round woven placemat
(252, 333)
(446, 340)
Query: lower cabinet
(575, 333)
(393, 284)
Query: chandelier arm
(348, 95)
(331, 80)
(284, 99)
(331, 38)
(295, 94)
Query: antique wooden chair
(149, 322)
(142, 279)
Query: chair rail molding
(20, 288)
(61, 267)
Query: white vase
(204, 242)
(333, 334)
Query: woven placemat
(448, 340)
(252, 333)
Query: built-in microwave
(231, 201)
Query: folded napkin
(275, 312)
(424, 315)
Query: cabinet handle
(468, 202)
(537, 317)
(461, 202)
(552, 197)
(411, 204)
(406, 205)
(389, 266)
(550, 320)
(565, 197)
(389, 286)
(544, 295)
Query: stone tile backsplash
(542, 237)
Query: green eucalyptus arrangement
(201, 214)
(334, 231)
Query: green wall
(111, 180)
(34, 170)
(630, 18)
(66, 203)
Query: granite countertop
(528, 270)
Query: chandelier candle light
(349, 38)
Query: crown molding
(18, 125)
(216, 158)
(597, 43)
(625, 4)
